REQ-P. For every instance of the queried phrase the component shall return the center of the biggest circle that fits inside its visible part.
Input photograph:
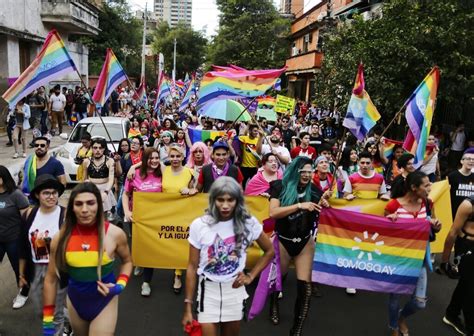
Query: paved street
(332, 315)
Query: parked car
(117, 128)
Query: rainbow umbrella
(225, 109)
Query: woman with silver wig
(217, 255)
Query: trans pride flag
(235, 83)
(111, 76)
(356, 250)
(362, 114)
(53, 61)
(419, 113)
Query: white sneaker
(15, 156)
(146, 290)
(23, 155)
(19, 301)
(351, 291)
(137, 271)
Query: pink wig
(202, 146)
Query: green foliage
(398, 50)
(119, 31)
(190, 48)
(251, 35)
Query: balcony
(302, 63)
(75, 17)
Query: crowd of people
(297, 162)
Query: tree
(119, 31)
(398, 50)
(251, 35)
(190, 47)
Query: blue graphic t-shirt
(218, 260)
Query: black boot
(303, 299)
(274, 308)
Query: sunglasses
(40, 145)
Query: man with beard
(81, 103)
(57, 105)
(221, 166)
(42, 163)
(275, 147)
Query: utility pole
(174, 62)
(144, 42)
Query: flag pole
(100, 116)
(395, 117)
(251, 117)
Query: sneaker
(137, 271)
(19, 301)
(146, 290)
(15, 156)
(23, 155)
(67, 330)
(9, 144)
(456, 323)
(280, 295)
(351, 291)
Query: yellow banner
(284, 104)
(161, 223)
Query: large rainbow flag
(235, 83)
(361, 114)
(53, 61)
(419, 113)
(356, 250)
(111, 76)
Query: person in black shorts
(295, 205)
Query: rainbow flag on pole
(235, 83)
(53, 61)
(140, 94)
(164, 89)
(361, 114)
(191, 90)
(111, 76)
(419, 113)
(356, 250)
(202, 135)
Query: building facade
(307, 34)
(174, 11)
(24, 26)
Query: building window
(307, 40)
(24, 49)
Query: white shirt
(57, 102)
(218, 260)
(281, 150)
(40, 234)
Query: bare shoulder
(117, 233)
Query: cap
(220, 144)
(46, 181)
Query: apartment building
(174, 11)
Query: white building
(173, 11)
(25, 24)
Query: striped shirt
(395, 207)
(365, 187)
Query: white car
(117, 127)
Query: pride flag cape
(356, 250)
(53, 61)
(419, 113)
(29, 174)
(202, 135)
(361, 114)
(233, 83)
(111, 76)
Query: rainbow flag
(202, 135)
(111, 76)
(29, 174)
(369, 252)
(388, 146)
(361, 114)
(53, 61)
(133, 132)
(191, 90)
(140, 94)
(266, 100)
(164, 89)
(234, 83)
(419, 113)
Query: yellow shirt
(173, 183)
(249, 151)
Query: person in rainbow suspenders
(84, 239)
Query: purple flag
(269, 282)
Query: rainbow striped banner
(111, 76)
(53, 61)
(356, 250)
(361, 114)
(202, 135)
(235, 83)
(419, 114)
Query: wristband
(188, 301)
(119, 285)
(48, 315)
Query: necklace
(85, 245)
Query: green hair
(291, 179)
